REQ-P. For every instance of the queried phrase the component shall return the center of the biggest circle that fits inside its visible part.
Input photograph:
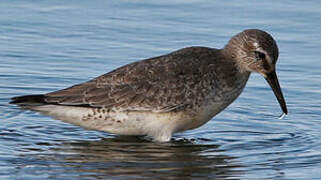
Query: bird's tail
(28, 100)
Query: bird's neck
(233, 72)
(233, 56)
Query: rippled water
(47, 45)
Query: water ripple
(52, 45)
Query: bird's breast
(220, 96)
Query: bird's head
(256, 51)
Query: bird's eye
(259, 55)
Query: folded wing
(159, 84)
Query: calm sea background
(48, 45)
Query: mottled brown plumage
(170, 82)
(170, 93)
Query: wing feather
(159, 84)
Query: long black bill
(273, 81)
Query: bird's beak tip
(272, 79)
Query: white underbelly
(160, 125)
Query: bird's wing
(159, 84)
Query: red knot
(167, 94)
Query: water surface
(49, 45)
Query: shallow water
(46, 45)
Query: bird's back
(159, 84)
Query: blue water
(49, 45)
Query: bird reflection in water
(135, 157)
